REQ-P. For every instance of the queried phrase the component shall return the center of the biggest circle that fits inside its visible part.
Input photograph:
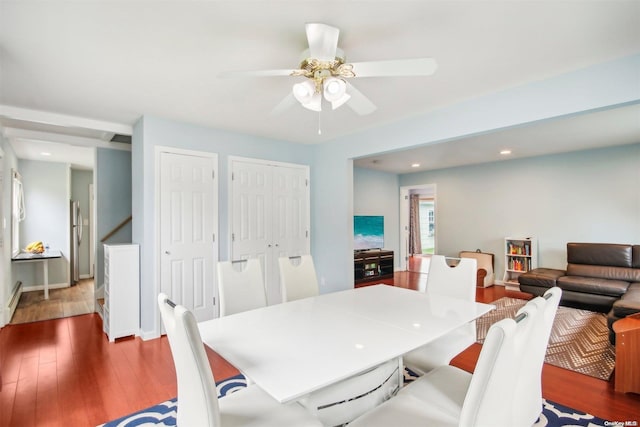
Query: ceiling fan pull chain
(319, 123)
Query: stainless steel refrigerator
(76, 239)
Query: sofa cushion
(605, 272)
(590, 285)
(629, 303)
(614, 255)
(636, 256)
(584, 301)
(544, 277)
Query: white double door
(270, 217)
(188, 223)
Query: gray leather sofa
(602, 277)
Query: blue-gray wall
(378, 193)
(151, 132)
(113, 201)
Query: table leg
(400, 374)
(45, 263)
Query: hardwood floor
(64, 372)
(64, 302)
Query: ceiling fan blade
(256, 73)
(358, 102)
(286, 103)
(396, 67)
(323, 41)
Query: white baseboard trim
(41, 287)
(13, 302)
(86, 276)
(149, 335)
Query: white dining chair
(456, 282)
(240, 286)
(198, 403)
(528, 394)
(297, 277)
(449, 396)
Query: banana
(36, 247)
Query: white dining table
(298, 347)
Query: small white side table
(44, 258)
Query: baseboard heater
(17, 291)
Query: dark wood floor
(63, 302)
(64, 372)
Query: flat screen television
(368, 232)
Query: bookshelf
(520, 256)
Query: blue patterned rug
(164, 414)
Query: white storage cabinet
(121, 311)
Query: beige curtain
(415, 245)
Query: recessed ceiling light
(45, 153)
(505, 152)
(415, 165)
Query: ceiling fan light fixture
(304, 91)
(334, 89)
(315, 104)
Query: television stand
(372, 264)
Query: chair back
(240, 286)
(457, 282)
(297, 280)
(489, 400)
(197, 395)
(528, 394)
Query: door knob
(167, 252)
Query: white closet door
(270, 216)
(291, 210)
(251, 213)
(188, 221)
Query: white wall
(46, 193)
(585, 196)
(7, 281)
(378, 193)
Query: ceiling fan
(326, 72)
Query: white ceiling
(594, 130)
(107, 63)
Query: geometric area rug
(164, 414)
(579, 339)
